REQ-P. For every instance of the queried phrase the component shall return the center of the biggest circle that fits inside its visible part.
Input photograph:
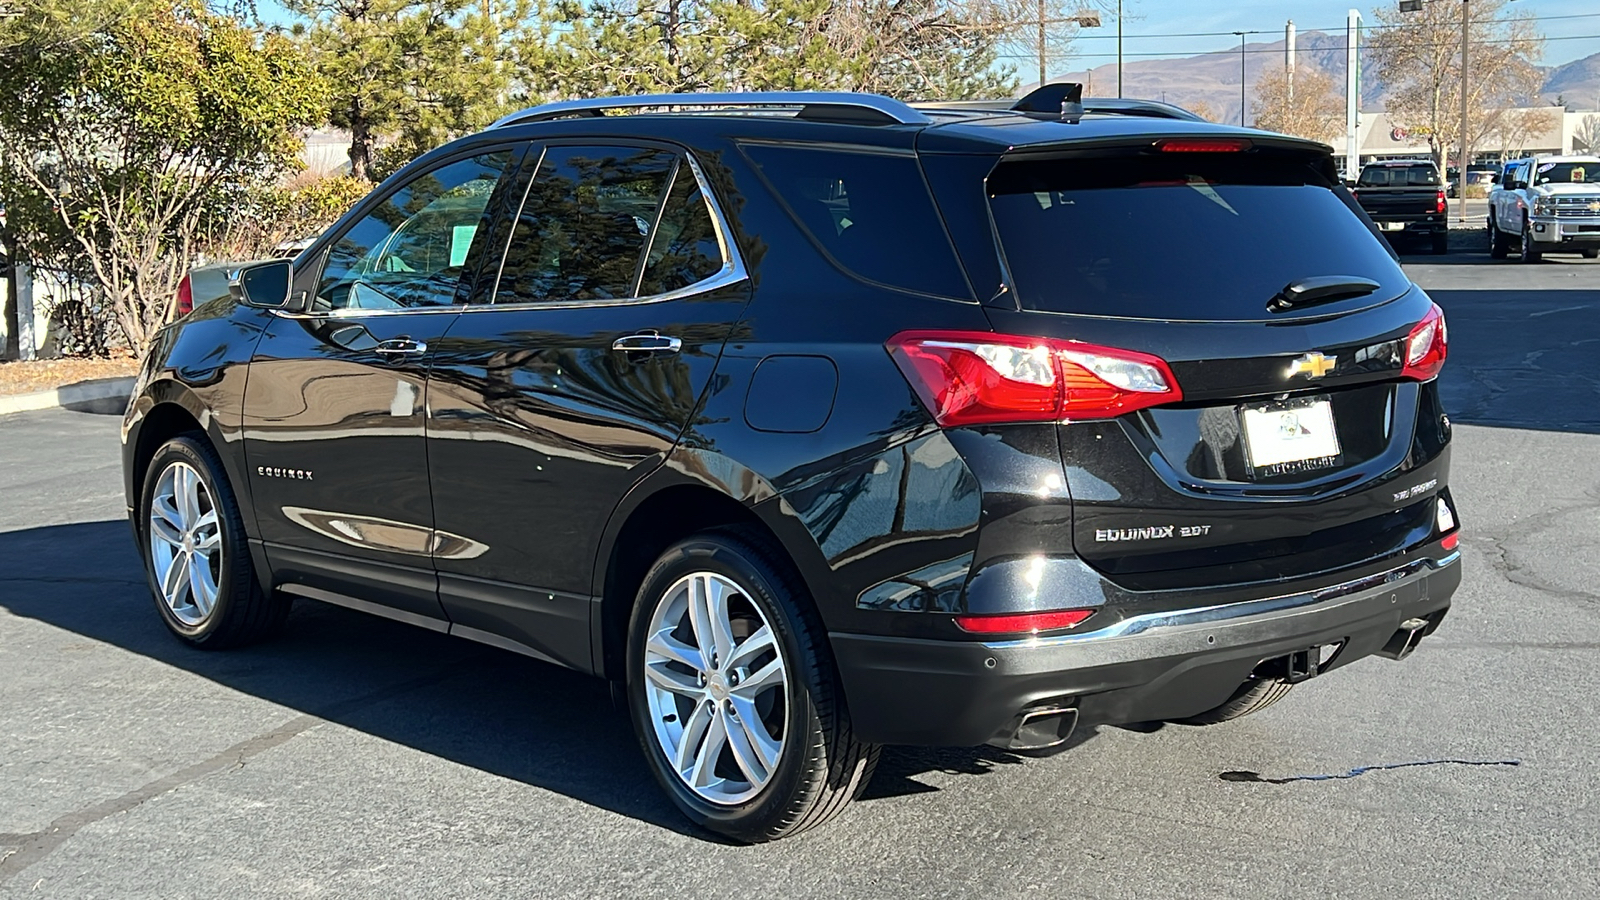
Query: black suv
(822, 422)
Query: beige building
(1517, 133)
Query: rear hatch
(1303, 433)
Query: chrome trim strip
(504, 643)
(1227, 611)
(894, 110)
(366, 606)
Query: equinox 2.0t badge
(1312, 365)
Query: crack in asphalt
(27, 849)
(1502, 558)
(1258, 778)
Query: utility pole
(1352, 94)
(1466, 155)
(1119, 48)
(1041, 44)
(1241, 35)
(1288, 56)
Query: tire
(1591, 254)
(1441, 243)
(1528, 253)
(1497, 241)
(210, 534)
(817, 766)
(1252, 696)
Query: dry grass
(45, 374)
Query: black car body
(1406, 198)
(1018, 469)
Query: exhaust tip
(1406, 639)
(1042, 728)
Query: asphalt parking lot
(355, 757)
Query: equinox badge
(1312, 365)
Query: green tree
(413, 73)
(124, 119)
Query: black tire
(1527, 252)
(821, 767)
(1497, 241)
(1441, 243)
(242, 612)
(1591, 254)
(1252, 696)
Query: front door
(572, 381)
(335, 403)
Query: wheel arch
(668, 506)
(164, 410)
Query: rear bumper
(1160, 666)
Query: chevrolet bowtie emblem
(1312, 365)
(1594, 206)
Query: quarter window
(584, 224)
(684, 248)
(413, 249)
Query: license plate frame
(1391, 226)
(1290, 437)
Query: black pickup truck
(1405, 198)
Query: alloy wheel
(185, 544)
(717, 688)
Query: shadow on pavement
(489, 709)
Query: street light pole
(1241, 35)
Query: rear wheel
(1441, 243)
(1497, 241)
(195, 551)
(1591, 254)
(1530, 251)
(732, 690)
(1252, 696)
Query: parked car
(1478, 174)
(1406, 200)
(819, 421)
(1548, 204)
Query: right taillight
(185, 303)
(977, 378)
(1426, 346)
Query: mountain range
(1212, 79)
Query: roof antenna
(1064, 98)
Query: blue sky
(1570, 38)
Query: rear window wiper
(1320, 289)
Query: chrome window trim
(732, 272)
(1227, 612)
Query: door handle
(400, 347)
(647, 342)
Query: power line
(1304, 30)
(1278, 51)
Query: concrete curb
(102, 395)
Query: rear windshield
(1177, 236)
(1398, 176)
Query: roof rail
(821, 106)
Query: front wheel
(733, 694)
(196, 554)
(1529, 250)
(1497, 241)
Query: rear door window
(869, 211)
(583, 227)
(1197, 236)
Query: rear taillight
(1023, 623)
(976, 377)
(1426, 347)
(1440, 201)
(185, 298)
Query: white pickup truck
(1550, 204)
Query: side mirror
(263, 285)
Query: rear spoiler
(1050, 98)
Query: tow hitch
(1301, 665)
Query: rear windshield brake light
(1204, 145)
(975, 378)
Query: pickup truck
(1405, 198)
(1550, 204)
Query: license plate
(1291, 436)
(1392, 226)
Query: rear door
(1301, 443)
(570, 379)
